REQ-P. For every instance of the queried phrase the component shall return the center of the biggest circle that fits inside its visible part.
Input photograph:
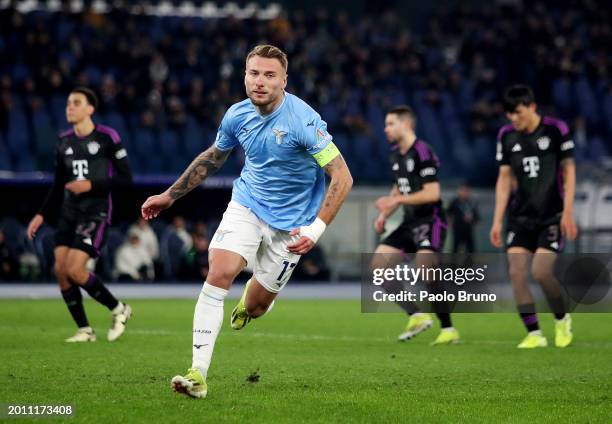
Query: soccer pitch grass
(318, 361)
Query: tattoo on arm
(338, 189)
(202, 167)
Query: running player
(279, 207)
(423, 228)
(538, 153)
(90, 163)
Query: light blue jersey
(282, 181)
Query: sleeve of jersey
(501, 156)
(122, 174)
(566, 142)
(226, 138)
(429, 168)
(318, 141)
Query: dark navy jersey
(418, 166)
(535, 160)
(98, 157)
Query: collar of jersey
(276, 111)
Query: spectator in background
(8, 261)
(195, 262)
(132, 261)
(147, 237)
(179, 227)
(463, 213)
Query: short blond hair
(269, 52)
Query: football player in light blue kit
(279, 206)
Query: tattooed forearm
(341, 183)
(202, 167)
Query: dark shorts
(86, 232)
(419, 235)
(531, 238)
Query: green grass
(319, 361)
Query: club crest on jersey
(93, 147)
(543, 142)
(410, 164)
(279, 134)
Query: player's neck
(270, 107)
(534, 124)
(406, 142)
(83, 128)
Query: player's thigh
(274, 264)
(60, 253)
(223, 267)
(239, 232)
(543, 264)
(518, 263)
(386, 256)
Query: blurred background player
(538, 153)
(90, 163)
(463, 214)
(278, 210)
(423, 228)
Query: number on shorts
(286, 264)
(421, 232)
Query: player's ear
(285, 81)
(90, 109)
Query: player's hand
(387, 204)
(379, 224)
(78, 187)
(34, 225)
(568, 226)
(155, 204)
(302, 245)
(495, 235)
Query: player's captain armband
(327, 154)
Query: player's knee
(60, 271)
(517, 274)
(541, 275)
(77, 274)
(220, 276)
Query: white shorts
(262, 247)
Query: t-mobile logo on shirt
(80, 168)
(531, 165)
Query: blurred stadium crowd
(141, 251)
(164, 82)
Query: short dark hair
(516, 95)
(403, 111)
(89, 94)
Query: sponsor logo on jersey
(279, 134)
(410, 164)
(69, 151)
(517, 148)
(543, 142)
(93, 147)
(531, 166)
(80, 168)
(566, 145)
(395, 167)
(428, 171)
